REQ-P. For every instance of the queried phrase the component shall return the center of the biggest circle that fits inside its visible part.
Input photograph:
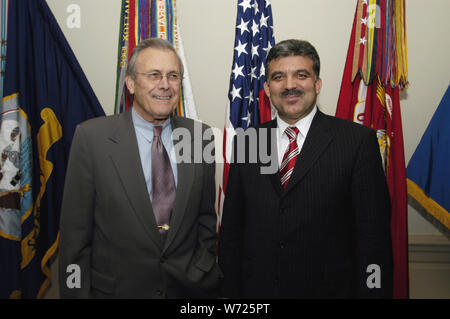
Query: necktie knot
(292, 132)
(157, 130)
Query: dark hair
(155, 43)
(293, 47)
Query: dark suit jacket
(316, 238)
(108, 226)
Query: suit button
(162, 260)
(282, 210)
(282, 244)
(159, 292)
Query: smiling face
(292, 87)
(155, 100)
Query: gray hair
(155, 43)
(293, 47)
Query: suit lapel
(126, 159)
(185, 173)
(317, 140)
(274, 178)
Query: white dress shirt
(303, 126)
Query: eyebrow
(296, 72)
(159, 71)
(276, 73)
(303, 71)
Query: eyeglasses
(156, 77)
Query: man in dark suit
(319, 227)
(136, 221)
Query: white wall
(208, 28)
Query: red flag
(366, 99)
(265, 110)
(396, 174)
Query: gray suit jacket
(108, 226)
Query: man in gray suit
(130, 226)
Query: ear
(130, 84)
(266, 89)
(318, 85)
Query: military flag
(429, 169)
(248, 105)
(375, 70)
(45, 96)
(141, 19)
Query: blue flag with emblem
(45, 95)
(428, 171)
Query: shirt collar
(303, 124)
(145, 127)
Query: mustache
(291, 92)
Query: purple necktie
(163, 184)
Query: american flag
(248, 106)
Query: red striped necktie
(290, 156)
